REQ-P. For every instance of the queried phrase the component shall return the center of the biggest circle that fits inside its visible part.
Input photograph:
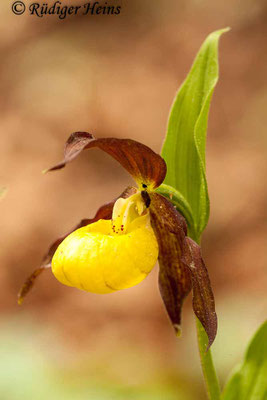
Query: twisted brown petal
(145, 166)
(104, 212)
(174, 277)
(28, 284)
(181, 266)
(203, 299)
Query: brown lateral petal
(145, 166)
(174, 277)
(203, 299)
(104, 212)
(28, 284)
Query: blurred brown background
(117, 76)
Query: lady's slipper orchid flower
(109, 255)
(119, 247)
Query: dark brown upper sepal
(145, 166)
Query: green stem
(210, 376)
(208, 369)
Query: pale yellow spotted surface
(102, 258)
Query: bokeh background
(117, 76)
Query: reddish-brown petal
(174, 277)
(203, 299)
(181, 266)
(104, 212)
(28, 284)
(145, 166)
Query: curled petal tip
(28, 284)
(177, 330)
(21, 296)
(20, 300)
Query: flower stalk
(208, 369)
(206, 360)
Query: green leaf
(184, 145)
(179, 203)
(249, 382)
